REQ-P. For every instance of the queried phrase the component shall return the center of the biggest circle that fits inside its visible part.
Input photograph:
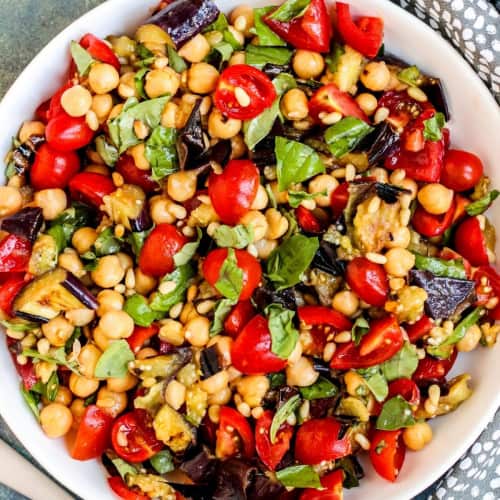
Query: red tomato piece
(157, 254)
(90, 187)
(332, 484)
(233, 192)
(307, 221)
(318, 440)
(99, 50)
(234, 435)
(271, 453)
(330, 98)
(15, 253)
(312, 31)
(239, 316)
(133, 175)
(449, 254)
(471, 243)
(117, 484)
(419, 329)
(339, 199)
(26, 371)
(67, 133)
(431, 225)
(368, 280)
(387, 453)
(41, 113)
(462, 170)
(140, 335)
(8, 291)
(93, 435)
(321, 315)
(380, 335)
(433, 370)
(52, 168)
(136, 428)
(251, 352)
(55, 106)
(366, 35)
(252, 272)
(406, 388)
(401, 107)
(254, 82)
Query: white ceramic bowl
(474, 126)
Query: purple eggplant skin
(31, 317)
(25, 223)
(78, 289)
(184, 19)
(141, 223)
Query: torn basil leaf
(182, 277)
(264, 33)
(137, 307)
(52, 387)
(433, 127)
(32, 400)
(106, 151)
(481, 205)
(19, 326)
(284, 335)
(453, 268)
(57, 356)
(82, 58)
(106, 243)
(396, 414)
(345, 135)
(139, 82)
(230, 282)
(221, 311)
(175, 61)
(411, 76)
(161, 152)
(114, 360)
(321, 389)
(359, 329)
(333, 58)
(233, 236)
(188, 251)
(290, 10)
(299, 476)
(259, 56)
(282, 414)
(376, 382)
(295, 198)
(402, 365)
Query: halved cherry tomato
(136, 429)
(332, 484)
(323, 316)
(368, 280)
(133, 175)
(487, 286)
(26, 371)
(251, 352)
(366, 35)
(433, 370)
(117, 484)
(471, 242)
(339, 199)
(406, 388)
(234, 435)
(93, 435)
(239, 316)
(384, 340)
(307, 221)
(68, 133)
(140, 335)
(55, 106)
(42, 112)
(271, 453)
(252, 272)
(420, 328)
(402, 108)
(15, 253)
(9, 289)
(52, 168)
(90, 187)
(254, 82)
(318, 439)
(99, 50)
(462, 170)
(233, 192)
(157, 254)
(312, 31)
(387, 453)
(330, 98)
(431, 225)
(461, 203)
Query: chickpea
(122, 384)
(258, 222)
(63, 396)
(57, 331)
(417, 436)
(401, 237)
(261, 199)
(109, 300)
(215, 383)
(367, 102)
(159, 210)
(115, 111)
(470, 340)
(399, 262)
(277, 224)
(76, 101)
(125, 260)
(172, 331)
(80, 317)
(181, 186)
(77, 409)
(308, 64)
(280, 196)
(375, 76)
(355, 384)
(116, 324)
(98, 169)
(220, 127)
(169, 116)
(88, 358)
(220, 398)
(435, 198)
(242, 18)
(238, 57)
(30, 128)
(127, 87)
(108, 272)
(202, 78)
(196, 49)
(70, 261)
(320, 184)
(265, 247)
(301, 373)
(113, 403)
(238, 147)
(252, 389)
(56, 420)
(83, 239)
(346, 302)
(196, 331)
(82, 387)
(11, 200)
(101, 339)
(151, 33)
(294, 105)
(160, 82)
(175, 394)
(143, 283)
(102, 105)
(103, 78)
(52, 202)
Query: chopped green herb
(161, 152)
(114, 360)
(282, 414)
(188, 251)
(345, 135)
(233, 236)
(376, 382)
(162, 462)
(182, 277)
(58, 357)
(19, 326)
(82, 58)
(123, 468)
(264, 33)
(333, 58)
(106, 151)
(139, 82)
(380, 447)
(32, 400)
(137, 307)
(402, 365)
(481, 205)
(284, 336)
(175, 61)
(299, 476)
(396, 414)
(359, 329)
(276, 380)
(221, 311)
(259, 56)
(230, 282)
(321, 389)
(433, 127)
(295, 198)
(411, 76)
(290, 10)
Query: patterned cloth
(472, 26)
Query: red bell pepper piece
(140, 335)
(420, 328)
(26, 371)
(15, 253)
(433, 370)
(431, 225)
(471, 242)
(99, 50)
(312, 31)
(8, 291)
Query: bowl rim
(471, 80)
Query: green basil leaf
(411, 76)
(137, 239)
(359, 329)
(276, 380)
(220, 24)
(63, 227)
(376, 382)
(52, 386)
(188, 251)
(82, 58)
(230, 282)
(433, 127)
(287, 263)
(396, 414)
(145, 55)
(402, 365)
(137, 307)
(453, 268)
(225, 51)
(32, 400)
(114, 360)
(106, 243)
(290, 10)
(284, 336)
(182, 276)
(139, 82)
(333, 58)
(264, 33)
(231, 40)
(161, 152)
(68, 346)
(293, 225)
(162, 462)
(233, 236)
(57, 356)
(321, 389)
(121, 128)
(221, 311)
(281, 415)
(295, 198)
(352, 471)
(175, 61)
(345, 135)
(19, 326)
(106, 151)
(259, 56)
(299, 476)
(481, 205)
(123, 468)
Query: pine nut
(374, 205)
(329, 351)
(119, 230)
(141, 130)
(167, 287)
(130, 278)
(377, 258)
(240, 23)
(214, 413)
(417, 94)
(175, 311)
(381, 114)
(362, 440)
(404, 216)
(205, 307)
(304, 410)
(330, 118)
(350, 172)
(244, 409)
(434, 394)
(343, 337)
(242, 97)
(117, 178)
(91, 120)
(257, 412)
